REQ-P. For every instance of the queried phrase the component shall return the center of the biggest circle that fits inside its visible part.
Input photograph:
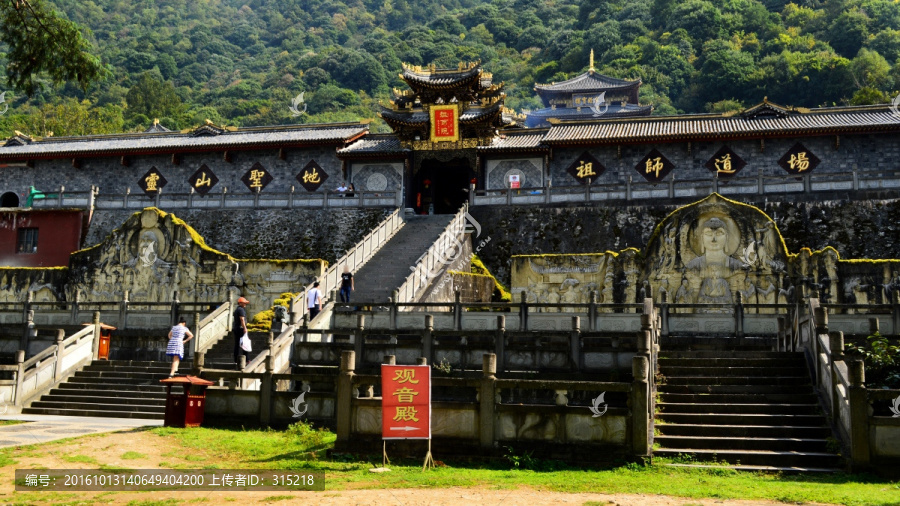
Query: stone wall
(849, 152)
(265, 233)
(112, 177)
(856, 229)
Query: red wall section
(59, 234)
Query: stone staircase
(390, 266)
(221, 355)
(114, 388)
(748, 410)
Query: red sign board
(444, 123)
(405, 402)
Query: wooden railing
(443, 252)
(355, 258)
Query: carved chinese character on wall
(654, 167)
(586, 169)
(152, 182)
(312, 176)
(257, 178)
(203, 180)
(799, 160)
(725, 163)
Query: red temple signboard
(405, 402)
(444, 123)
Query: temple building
(586, 97)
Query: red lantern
(427, 183)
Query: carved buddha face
(714, 236)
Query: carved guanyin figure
(714, 269)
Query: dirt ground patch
(144, 450)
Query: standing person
(239, 328)
(175, 348)
(347, 285)
(314, 300)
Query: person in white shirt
(314, 300)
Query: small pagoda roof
(442, 79)
(588, 82)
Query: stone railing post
(428, 338)
(523, 313)
(174, 310)
(640, 408)
(196, 339)
(821, 320)
(664, 314)
(344, 408)
(20, 376)
(457, 310)
(390, 360)
(73, 310)
(500, 341)
(575, 344)
(265, 386)
(358, 334)
(28, 331)
(29, 298)
(123, 310)
(592, 311)
(395, 307)
(859, 416)
(836, 345)
(60, 353)
(95, 347)
(782, 342)
(487, 397)
(199, 362)
(739, 315)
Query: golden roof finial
(591, 64)
(155, 121)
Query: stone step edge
(772, 453)
(703, 425)
(749, 438)
(97, 413)
(760, 469)
(99, 407)
(780, 404)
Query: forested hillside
(241, 62)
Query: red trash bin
(185, 409)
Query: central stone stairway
(110, 388)
(748, 410)
(390, 266)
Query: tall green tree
(153, 98)
(41, 42)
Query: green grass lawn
(303, 448)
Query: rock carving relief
(711, 252)
(150, 257)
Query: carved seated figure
(713, 267)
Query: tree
(154, 98)
(42, 42)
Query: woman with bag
(175, 348)
(239, 331)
